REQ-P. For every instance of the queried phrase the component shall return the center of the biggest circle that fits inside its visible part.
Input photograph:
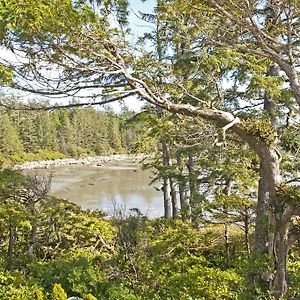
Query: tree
(46, 132)
(21, 198)
(12, 209)
(9, 139)
(223, 38)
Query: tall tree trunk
(263, 242)
(227, 192)
(247, 227)
(269, 224)
(184, 205)
(227, 243)
(32, 241)
(170, 183)
(262, 219)
(175, 208)
(196, 209)
(33, 236)
(11, 245)
(167, 198)
(281, 251)
(170, 199)
(167, 186)
(280, 216)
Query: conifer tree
(10, 142)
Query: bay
(115, 186)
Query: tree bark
(196, 209)
(227, 243)
(247, 226)
(169, 182)
(167, 198)
(175, 208)
(167, 186)
(184, 205)
(11, 245)
(261, 224)
(280, 216)
(32, 239)
(281, 251)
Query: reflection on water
(120, 184)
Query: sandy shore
(45, 164)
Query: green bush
(42, 154)
(167, 262)
(13, 286)
(90, 297)
(58, 292)
(293, 269)
(39, 294)
(120, 292)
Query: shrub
(58, 292)
(89, 297)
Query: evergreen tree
(10, 142)
(46, 132)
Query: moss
(260, 129)
(289, 194)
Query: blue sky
(138, 27)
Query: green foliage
(80, 272)
(260, 129)
(168, 263)
(42, 154)
(6, 75)
(288, 195)
(294, 274)
(116, 292)
(13, 286)
(290, 139)
(38, 294)
(11, 181)
(27, 136)
(9, 139)
(89, 297)
(58, 293)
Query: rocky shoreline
(98, 161)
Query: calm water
(115, 184)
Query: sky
(138, 27)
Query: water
(121, 185)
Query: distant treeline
(29, 135)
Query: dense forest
(222, 84)
(36, 135)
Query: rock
(98, 161)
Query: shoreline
(90, 160)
